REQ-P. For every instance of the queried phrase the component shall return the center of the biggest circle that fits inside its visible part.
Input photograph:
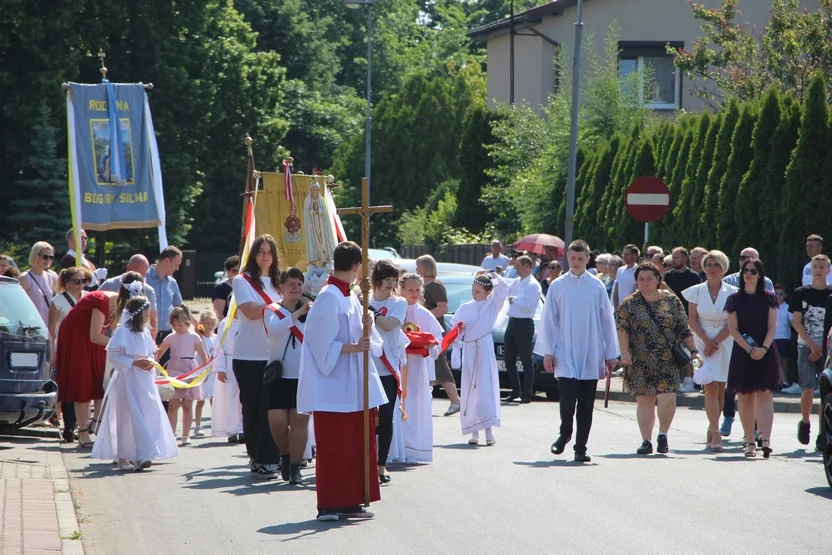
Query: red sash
(258, 288)
(274, 308)
(450, 337)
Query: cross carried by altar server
(365, 211)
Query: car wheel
(553, 394)
(826, 435)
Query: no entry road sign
(647, 199)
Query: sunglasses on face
(48, 256)
(751, 271)
(82, 281)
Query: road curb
(67, 519)
(697, 401)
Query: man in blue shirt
(137, 263)
(160, 278)
(747, 253)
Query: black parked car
(459, 291)
(826, 422)
(27, 392)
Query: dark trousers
(518, 341)
(255, 400)
(580, 393)
(70, 420)
(386, 412)
(730, 408)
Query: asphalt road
(514, 497)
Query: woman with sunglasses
(754, 367)
(68, 291)
(39, 281)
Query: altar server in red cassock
(331, 386)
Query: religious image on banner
(100, 132)
(304, 225)
(115, 175)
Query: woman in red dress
(81, 356)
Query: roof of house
(534, 15)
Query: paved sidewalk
(782, 402)
(37, 515)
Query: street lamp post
(573, 134)
(369, 117)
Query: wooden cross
(365, 211)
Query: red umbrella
(537, 243)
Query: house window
(666, 90)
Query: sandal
(85, 444)
(716, 441)
(54, 421)
(93, 429)
(750, 450)
(766, 448)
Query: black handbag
(274, 370)
(680, 353)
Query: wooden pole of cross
(365, 211)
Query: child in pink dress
(185, 345)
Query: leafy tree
(771, 198)
(473, 164)
(587, 214)
(685, 207)
(628, 229)
(41, 211)
(667, 229)
(738, 164)
(586, 163)
(746, 209)
(722, 151)
(667, 164)
(744, 62)
(807, 206)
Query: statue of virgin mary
(320, 229)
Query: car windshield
(459, 293)
(18, 316)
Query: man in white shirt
(814, 247)
(496, 258)
(578, 342)
(625, 278)
(523, 298)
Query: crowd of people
(283, 372)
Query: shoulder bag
(680, 353)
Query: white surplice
(226, 410)
(418, 428)
(332, 381)
(578, 327)
(134, 425)
(480, 398)
(394, 343)
(712, 318)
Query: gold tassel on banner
(404, 392)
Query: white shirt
(807, 275)
(625, 280)
(393, 307)
(491, 262)
(578, 327)
(784, 322)
(283, 347)
(252, 341)
(527, 297)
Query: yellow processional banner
(305, 230)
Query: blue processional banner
(115, 174)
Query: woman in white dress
(134, 428)
(709, 322)
(480, 399)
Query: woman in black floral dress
(650, 322)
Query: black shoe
(68, 435)
(241, 438)
(285, 468)
(511, 397)
(646, 448)
(804, 430)
(295, 477)
(327, 515)
(384, 478)
(357, 512)
(582, 458)
(819, 444)
(262, 472)
(661, 444)
(559, 445)
(525, 400)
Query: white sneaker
(186, 441)
(793, 389)
(198, 432)
(687, 386)
(619, 372)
